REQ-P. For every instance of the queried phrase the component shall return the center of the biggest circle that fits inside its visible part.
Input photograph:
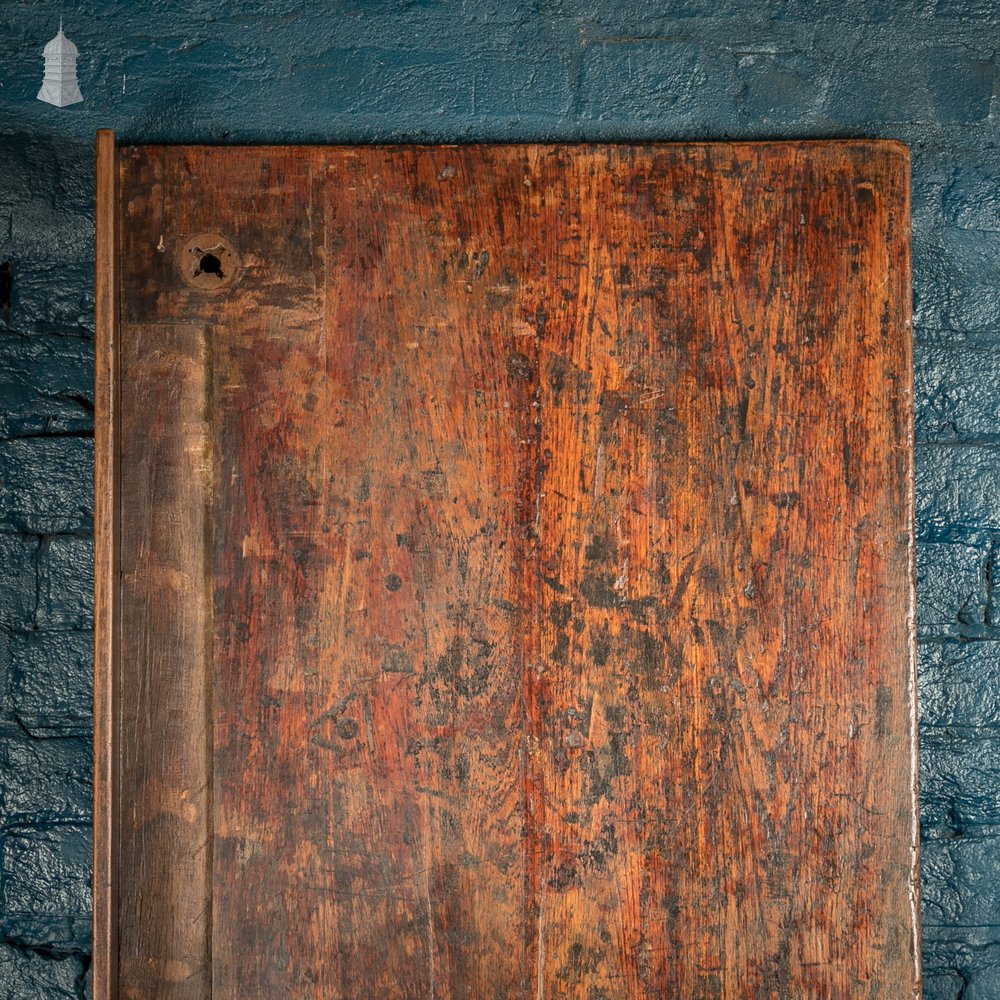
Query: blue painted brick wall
(924, 71)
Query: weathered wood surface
(107, 491)
(560, 558)
(165, 739)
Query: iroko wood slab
(513, 558)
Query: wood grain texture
(107, 492)
(561, 566)
(165, 741)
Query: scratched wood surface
(164, 707)
(542, 531)
(107, 492)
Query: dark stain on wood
(558, 555)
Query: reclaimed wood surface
(541, 568)
(165, 740)
(107, 492)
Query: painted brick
(974, 254)
(957, 789)
(971, 307)
(48, 201)
(933, 287)
(46, 886)
(961, 84)
(66, 583)
(947, 296)
(966, 10)
(635, 80)
(46, 484)
(51, 681)
(945, 983)
(959, 685)
(46, 384)
(53, 296)
(957, 394)
(993, 590)
(379, 81)
(45, 780)
(637, 18)
(34, 975)
(960, 969)
(928, 182)
(494, 12)
(961, 884)
(782, 87)
(951, 590)
(18, 556)
(507, 85)
(957, 487)
(864, 12)
(875, 90)
(972, 198)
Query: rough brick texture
(924, 71)
(31, 974)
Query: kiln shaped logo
(59, 87)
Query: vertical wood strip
(724, 538)
(106, 536)
(900, 289)
(427, 369)
(605, 660)
(269, 572)
(165, 735)
(369, 810)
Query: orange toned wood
(106, 539)
(724, 640)
(554, 507)
(371, 572)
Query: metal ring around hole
(208, 262)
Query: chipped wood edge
(106, 498)
(906, 262)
